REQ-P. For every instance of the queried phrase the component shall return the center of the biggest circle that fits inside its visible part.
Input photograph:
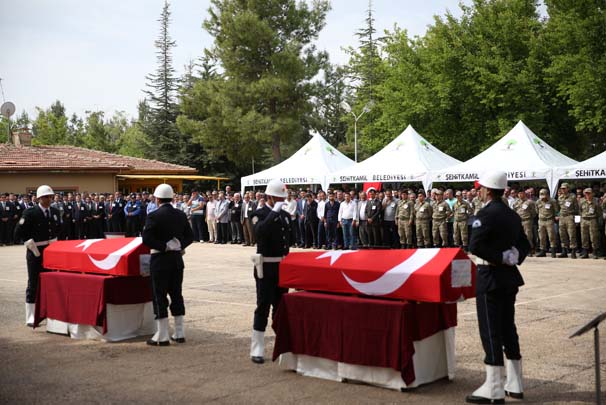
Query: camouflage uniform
(423, 213)
(441, 212)
(405, 216)
(527, 210)
(462, 211)
(590, 212)
(547, 209)
(568, 233)
(477, 205)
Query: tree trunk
(275, 148)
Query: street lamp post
(345, 105)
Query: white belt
(482, 262)
(45, 242)
(272, 259)
(154, 251)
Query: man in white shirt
(211, 219)
(347, 216)
(362, 219)
(321, 229)
(290, 206)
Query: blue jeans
(348, 239)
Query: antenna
(2, 90)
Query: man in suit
(311, 222)
(373, 214)
(116, 214)
(500, 244)
(272, 229)
(248, 208)
(80, 215)
(39, 226)
(167, 232)
(7, 210)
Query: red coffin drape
(360, 331)
(82, 298)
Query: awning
(165, 177)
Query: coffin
(117, 257)
(428, 275)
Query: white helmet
(276, 188)
(496, 180)
(164, 191)
(44, 190)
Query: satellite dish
(7, 109)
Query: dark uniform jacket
(311, 213)
(373, 210)
(80, 213)
(331, 210)
(235, 211)
(33, 225)
(272, 230)
(8, 211)
(164, 224)
(497, 228)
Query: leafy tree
(268, 60)
(50, 127)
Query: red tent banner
(427, 275)
(376, 185)
(118, 257)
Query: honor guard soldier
(272, 229)
(462, 210)
(547, 208)
(499, 243)
(527, 211)
(405, 213)
(590, 212)
(423, 214)
(441, 213)
(38, 227)
(569, 207)
(167, 232)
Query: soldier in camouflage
(423, 213)
(547, 208)
(441, 213)
(590, 212)
(462, 211)
(405, 217)
(568, 209)
(527, 211)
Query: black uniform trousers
(4, 231)
(197, 224)
(269, 295)
(132, 225)
(34, 268)
(374, 234)
(166, 274)
(496, 313)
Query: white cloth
(291, 208)
(511, 256)
(361, 210)
(211, 205)
(257, 344)
(173, 245)
(320, 209)
(278, 206)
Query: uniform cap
(439, 192)
(164, 191)
(496, 180)
(588, 190)
(458, 193)
(43, 191)
(564, 185)
(543, 191)
(276, 188)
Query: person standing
(527, 211)
(347, 217)
(167, 232)
(547, 209)
(362, 220)
(462, 210)
(132, 210)
(423, 214)
(321, 233)
(197, 207)
(441, 213)
(311, 222)
(388, 223)
(248, 208)
(569, 207)
(222, 218)
(404, 218)
(211, 219)
(272, 229)
(116, 214)
(38, 227)
(499, 243)
(80, 215)
(235, 212)
(590, 235)
(331, 220)
(373, 218)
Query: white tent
(309, 165)
(409, 157)
(592, 168)
(520, 153)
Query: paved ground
(213, 366)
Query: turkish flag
(376, 185)
(118, 257)
(428, 275)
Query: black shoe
(515, 395)
(553, 255)
(178, 340)
(152, 342)
(541, 253)
(472, 399)
(573, 254)
(30, 325)
(257, 359)
(564, 254)
(584, 255)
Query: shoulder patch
(22, 221)
(476, 224)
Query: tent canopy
(592, 168)
(309, 165)
(409, 157)
(520, 153)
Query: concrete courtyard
(214, 366)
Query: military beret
(439, 192)
(588, 190)
(564, 185)
(543, 191)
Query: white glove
(173, 245)
(31, 245)
(511, 256)
(278, 206)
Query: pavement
(214, 365)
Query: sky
(94, 55)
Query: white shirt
(347, 210)
(361, 210)
(211, 205)
(320, 210)
(291, 208)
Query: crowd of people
(571, 224)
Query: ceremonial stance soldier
(590, 212)
(441, 213)
(423, 213)
(167, 232)
(405, 213)
(271, 225)
(568, 232)
(462, 210)
(527, 211)
(547, 208)
(500, 244)
(38, 227)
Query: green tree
(50, 127)
(165, 141)
(267, 60)
(97, 136)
